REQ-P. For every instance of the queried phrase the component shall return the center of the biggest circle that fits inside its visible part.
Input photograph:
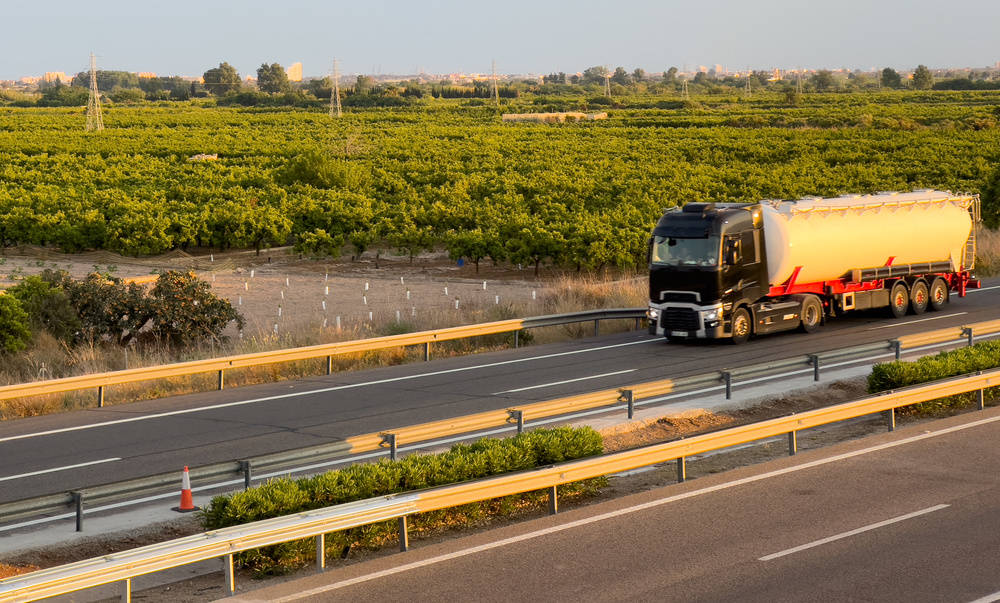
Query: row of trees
(179, 309)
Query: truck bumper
(691, 321)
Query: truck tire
(899, 300)
(938, 295)
(919, 296)
(742, 326)
(811, 314)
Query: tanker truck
(737, 270)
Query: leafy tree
(890, 78)
(639, 75)
(621, 76)
(47, 307)
(471, 244)
(185, 311)
(595, 75)
(272, 78)
(64, 96)
(108, 307)
(319, 243)
(822, 80)
(127, 95)
(321, 88)
(923, 79)
(14, 331)
(670, 76)
(365, 84)
(222, 79)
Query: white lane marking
(854, 532)
(980, 289)
(522, 389)
(315, 391)
(990, 598)
(910, 322)
(10, 477)
(626, 511)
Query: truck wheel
(919, 297)
(811, 314)
(741, 326)
(899, 300)
(938, 294)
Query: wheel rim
(938, 294)
(740, 326)
(920, 297)
(811, 315)
(899, 300)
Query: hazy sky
(186, 37)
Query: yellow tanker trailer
(735, 270)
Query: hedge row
(894, 375)
(462, 462)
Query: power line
(94, 119)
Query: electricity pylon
(94, 119)
(335, 91)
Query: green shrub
(894, 375)
(462, 462)
(14, 331)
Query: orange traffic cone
(187, 502)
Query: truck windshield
(686, 252)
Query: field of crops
(448, 174)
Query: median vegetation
(462, 462)
(894, 375)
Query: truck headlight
(712, 315)
(652, 313)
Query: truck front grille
(680, 319)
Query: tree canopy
(222, 79)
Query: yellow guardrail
(948, 334)
(122, 567)
(101, 380)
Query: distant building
(146, 75)
(294, 72)
(51, 76)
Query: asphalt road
(907, 516)
(41, 455)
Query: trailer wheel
(811, 314)
(919, 297)
(741, 326)
(938, 294)
(899, 300)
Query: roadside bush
(14, 331)
(462, 462)
(894, 375)
(48, 307)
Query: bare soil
(209, 586)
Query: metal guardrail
(391, 439)
(122, 567)
(329, 350)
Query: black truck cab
(706, 260)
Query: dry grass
(7, 571)
(987, 252)
(49, 358)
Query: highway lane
(164, 435)
(906, 516)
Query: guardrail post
(320, 552)
(793, 444)
(516, 416)
(222, 379)
(78, 503)
(890, 419)
(897, 347)
(404, 535)
(553, 500)
(980, 396)
(389, 439)
(636, 324)
(517, 339)
(628, 398)
(100, 396)
(814, 360)
(127, 590)
(967, 332)
(230, 576)
(728, 377)
(681, 469)
(427, 351)
(247, 470)
(329, 365)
